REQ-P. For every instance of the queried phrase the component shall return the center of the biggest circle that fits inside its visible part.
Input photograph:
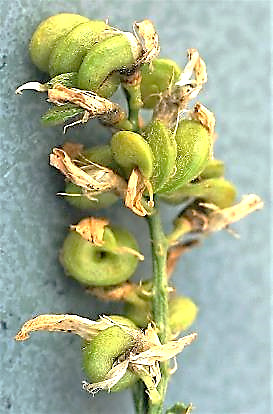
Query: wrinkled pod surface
(92, 50)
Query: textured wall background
(227, 371)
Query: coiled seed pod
(72, 43)
(216, 191)
(157, 78)
(105, 265)
(100, 354)
(193, 152)
(101, 155)
(182, 313)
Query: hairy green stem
(159, 245)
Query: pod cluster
(90, 50)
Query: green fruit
(193, 152)
(213, 169)
(182, 313)
(216, 191)
(47, 34)
(157, 78)
(100, 354)
(99, 266)
(130, 150)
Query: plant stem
(140, 398)
(159, 245)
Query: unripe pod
(46, 35)
(213, 169)
(72, 43)
(216, 191)
(131, 150)
(100, 354)
(100, 266)
(156, 78)
(182, 313)
(193, 152)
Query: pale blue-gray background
(227, 371)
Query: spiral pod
(100, 354)
(93, 265)
(101, 155)
(92, 49)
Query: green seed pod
(156, 78)
(182, 313)
(164, 149)
(111, 54)
(213, 169)
(131, 150)
(70, 50)
(101, 155)
(217, 191)
(72, 43)
(100, 354)
(46, 35)
(100, 266)
(193, 152)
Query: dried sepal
(162, 352)
(205, 116)
(137, 185)
(175, 100)
(221, 219)
(36, 86)
(195, 65)
(73, 149)
(91, 229)
(150, 380)
(75, 324)
(114, 294)
(93, 180)
(207, 218)
(96, 106)
(146, 34)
